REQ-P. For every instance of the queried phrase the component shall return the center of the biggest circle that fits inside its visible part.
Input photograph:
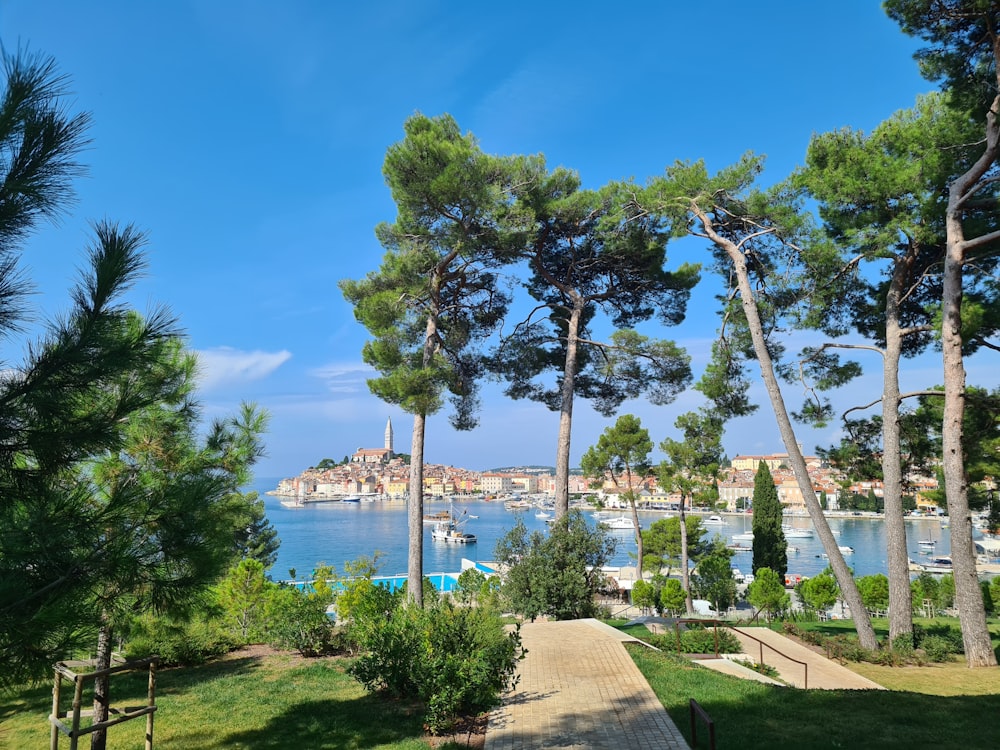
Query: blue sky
(247, 139)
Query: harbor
(335, 532)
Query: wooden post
(56, 689)
(151, 702)
(74, 738)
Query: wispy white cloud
(223, 366)
(343, 377)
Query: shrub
(455, 660)
(938, 648)
(843, 648)
(698, 640)
(178, 642)
(903, 645)
(951, 635)
(298, 621)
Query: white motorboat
(844, 549)
(746, 536)
(791, 532)
(714, 521)
(619, 523)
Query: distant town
(381, 472)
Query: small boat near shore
(791, 532)
(714, 521)
(442, 516)
(619, 523)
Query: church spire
(388, 436)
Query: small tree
(243, 597)
(874, 591)
(691, 468)
(645, 595)
(819, 592)
(622, 453)
(556, 575)
(770, 550)
(673, 597)
(662, 543)
(713, 578)
(767, 593)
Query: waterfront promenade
(579, 689)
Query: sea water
(337, 533)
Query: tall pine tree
(769, 546)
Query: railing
(761, 644)
(698, 712)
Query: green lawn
(942, 705)
(266, 701)
(750, 715)
(275, 700)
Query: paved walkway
(580, 689)
(824, 674)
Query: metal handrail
(761, 644)
(696, 709)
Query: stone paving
(580, 689)
(823, 674)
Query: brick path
(580, 689)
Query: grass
(750, 715)
(942, 705)
(250, 701)
(273, 700)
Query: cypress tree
(769, 546)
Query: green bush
(178, 642)
(456, 660)
(698, 640)
(949, 634)
(938, 648)
(903, 645)
(845, 648)
(295, 620)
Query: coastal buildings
(379, 471)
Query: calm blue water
(335, 533)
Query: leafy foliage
(767, 592)
(713, 578)
(662, 542)
(455, 660)
(555, 575)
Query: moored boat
(791, 532)
(619, 523)
(440, 517)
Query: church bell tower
(388, 436)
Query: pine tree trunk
(415, 515)
(102, 685)
(638, 531)
(848, 587)
(685, 576)
(968, 595)
(900, 602)
(566, 411)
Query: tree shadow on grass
(369, 721)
